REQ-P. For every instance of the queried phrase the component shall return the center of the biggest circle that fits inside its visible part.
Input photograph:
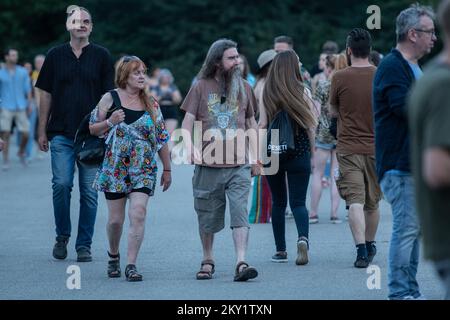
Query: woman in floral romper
(134, 133)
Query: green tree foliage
(177, 33)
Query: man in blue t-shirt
(393, 80)
(15, 103)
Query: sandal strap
(241, 263)
(113, 256)
(131, 270)
(208, 262)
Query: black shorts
(169, 112)
(117, 196)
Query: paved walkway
(171, 252)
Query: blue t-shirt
(14, 89)
(418, 73)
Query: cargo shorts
(357, 180)
(211, 186)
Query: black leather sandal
(203, 274)
(132, 274)
(114, 266)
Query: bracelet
(167, 170)
(109, 123)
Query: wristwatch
(109, 123)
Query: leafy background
(177, 33)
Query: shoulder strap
(116, 99)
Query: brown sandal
(246, 273)
(203, 274)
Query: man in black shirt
(73, 78)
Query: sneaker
(314, 219)
(280, 257)
(361, 262)
(302, 251)
(371, 252)
(84, 255)
(335, 220)
(60, 247)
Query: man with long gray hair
(429, 116)
(224, 104)
(393, 80)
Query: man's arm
(28, 92)
(392, 84)
(333, 111)
(187, 128)
(44, 113)
(334, 97)
(436, 167)
(108, 73)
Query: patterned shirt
(130, 157)
(322, 95)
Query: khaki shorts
(211, 186)
(357, 180)
(20, 117)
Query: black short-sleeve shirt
(76, 85)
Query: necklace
(130, 97)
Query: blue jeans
(298, 172)
(404, 247)
(63, 168)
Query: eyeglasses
(431, 32)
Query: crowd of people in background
(353, 126)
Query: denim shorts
(325, 146)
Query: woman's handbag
(90, 149)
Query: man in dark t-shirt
(350, 100)
(72, 80)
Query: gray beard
(233, 85)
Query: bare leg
(137, 213)
(320, 161)
(372, 218)
(240, 238)
(116, 218)
(5, 137)
(207, 246)
(357, 223)
(171, 125)
(23, 143)
(335, 198)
